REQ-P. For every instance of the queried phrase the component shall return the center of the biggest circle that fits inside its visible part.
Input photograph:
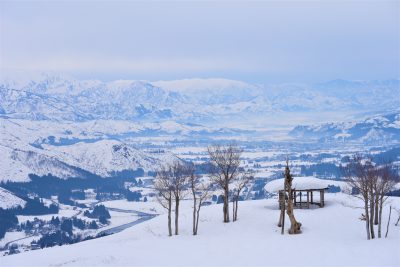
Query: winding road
(116, 229)
(122, 227)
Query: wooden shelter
(306, 191)
(303, 198)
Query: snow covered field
(332, 236)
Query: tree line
(371, 183)
(178, 179)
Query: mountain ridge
(189, 100)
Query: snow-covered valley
(199, 133)
(63, 158)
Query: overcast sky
(274, 41)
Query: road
(142, 218)
(122, 227)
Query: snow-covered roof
(299, 183)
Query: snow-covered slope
(16, 165)
(106, 157)
(331, 236)
(379, 129)
(8, 200)
(28, 132)
(213, 91)
(64, 149)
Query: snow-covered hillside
(106, 157)
(8, 200)
(378, 129)
(64, 149)
(101, 147)
(332, 236)
(16, 165)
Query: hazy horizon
(256, 42)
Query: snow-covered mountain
(191, 100)
(66, 127)
(107, 157)
(374, 130)
(16, 165)
(103, 158)
(74, 149)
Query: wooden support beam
(308, 199)
(294, 196)
(312, 200)
(320, 199)
(300, 199)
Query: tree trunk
(283, 216)
(380, 217)
(226, 204)
(194, 213)
(169, 217)
(371, 219)
(387, 227)
(233, 210)
(197, 220)
(294, 225)
(176, 215)
(236, 209)
(376, 217)
(367, 218)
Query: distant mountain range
(379, 130)
(70, 128)
(56, 97)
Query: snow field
(332, 236)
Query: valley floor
(332, 236)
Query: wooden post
(322, 198)
(281, 204)
(301, 193)
(312, 201)
(308, 199)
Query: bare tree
(387, 179)
(357, 174)
(372, 178)
(294, 224)
(242, 181)
(371, 183)
(180, 174)
(164, 188)
(225, 161)
(200, 191)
